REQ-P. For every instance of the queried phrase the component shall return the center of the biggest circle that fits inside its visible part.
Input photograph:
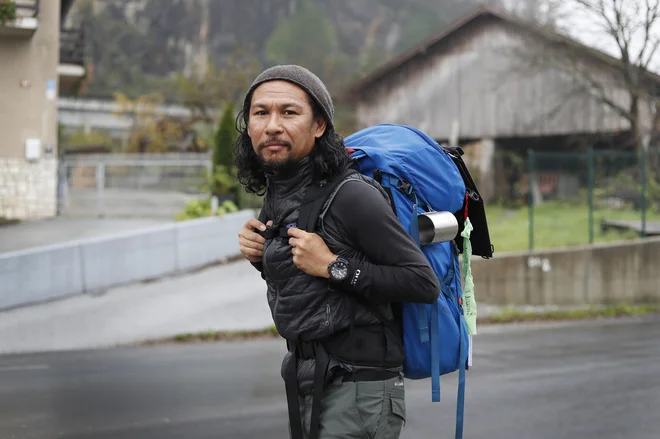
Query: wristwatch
(338, 269)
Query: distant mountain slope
(136, 44)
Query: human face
(281, 124)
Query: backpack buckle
(268, 234)
(405, 187)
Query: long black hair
(328, 156)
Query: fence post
(61, 182)
(100, 186)
(590, 185)
(643, 177)
(530, 184)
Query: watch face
(339, 270)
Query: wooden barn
(498, 86)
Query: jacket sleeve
(393, 267)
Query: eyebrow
(285, 105)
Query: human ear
(319, 126)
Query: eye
(289, 112)
(260, 113)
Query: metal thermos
(437, 227)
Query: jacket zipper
(328, 319)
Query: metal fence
(72, 46)
(146, 185)
(27, 8)
(593, 196)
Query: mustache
(286, 144)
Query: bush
(7, 11)
(201, 208)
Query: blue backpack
(421, 176)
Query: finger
(251, 236)
(251, 252)
(295, 232)
(269, 223)
(251, 244)
(254, 223)
(294, 242)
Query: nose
(274, 125)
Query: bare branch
(595, 87)
(598, 91)
(602, 11)
(570, 63)
(651, 17)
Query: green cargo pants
(358, 410)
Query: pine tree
(225, 137)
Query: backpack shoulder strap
(310, 208)
(315, 198)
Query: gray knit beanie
(303, 78)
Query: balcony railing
(27, 8)
(72, 46)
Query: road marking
(24, 367)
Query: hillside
(135, 45)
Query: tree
(310, 39)
(152, 132)
(633, 26)
(209, 89)
(225, 137)
(421, 22)
(223, 181)
(627, 29)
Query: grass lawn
(556, 224)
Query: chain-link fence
(593, 196)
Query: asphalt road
(588, 381)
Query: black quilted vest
(305, 308)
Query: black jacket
(386, 267)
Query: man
(333, 294)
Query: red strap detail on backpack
(466, 206)
(350, 150)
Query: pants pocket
(381, 408)
(397, 411)
(394, 415)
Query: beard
(283, 167)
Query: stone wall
(601, 274)
(28, 190)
